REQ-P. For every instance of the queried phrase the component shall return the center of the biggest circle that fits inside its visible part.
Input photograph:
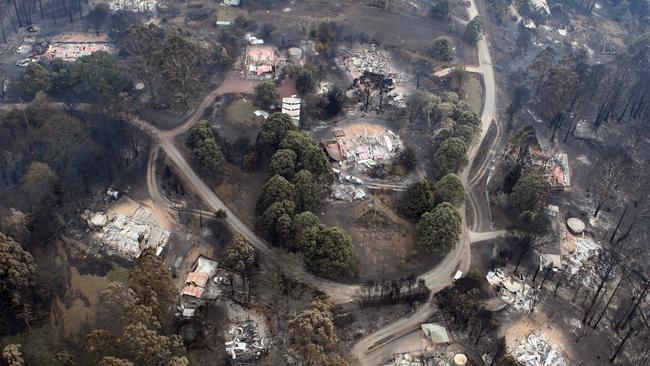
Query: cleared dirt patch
(240, 114)
(385, 243)
(240, 190)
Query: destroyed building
(135, 6)
(359, 59)
(126, 236)
(521, 296)
(537, 350)
(362, 145)
(260, 61)
(70, 46)
(246, 343)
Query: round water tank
(576, 226)
(460, 359)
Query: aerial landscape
(325, 182)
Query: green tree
(441, 10)
(39, 183)
(474, 30)
(152, 283)
(529, 194)
(466, 133)
(298, 142)
(314, 159)
(310, 156)
(265, 94)
(450, 189)
(210, 158)
(443, 49)
(239, 255)
(416, 200)
(182, 64)
(98, 16)
(17, 274)
(36, 78)
(97, 75)
(461, 305)
(312, 336)
(276, 189)
(328, 251)
(114, 361)
(470, 119)
(439, 230)
(199, 132)
(308, 193)
(273, 131)
(147, 346)
(302, 222)
(275, 224)
(283, 163)
(178, 361)
(305, 82)
(450, 156)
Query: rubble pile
(136, 6)
(521, 296)
(360, 59)
(347, 192)
(539, 351)
(585, 248)
(127, 236)
(364, 146)
(246, 343)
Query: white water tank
(460, 359)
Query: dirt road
(366, 351)
(436, 279)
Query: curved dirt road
(365, 351)
(437, 278)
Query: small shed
(223, 24)
(435, 333)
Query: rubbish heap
(360, 59)
(246, 344)
(521, 296)
(585, 248)
(347, 192)
(539, 351)
(136, 6)
(127, 236)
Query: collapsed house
(70, 46)
(539, 351)
(260, 61)
(246, 343)
(360, 59)
(522, 297)
(126, 236)
(554, 167)
(135, 6)
(362, 145)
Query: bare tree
(609, 176)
